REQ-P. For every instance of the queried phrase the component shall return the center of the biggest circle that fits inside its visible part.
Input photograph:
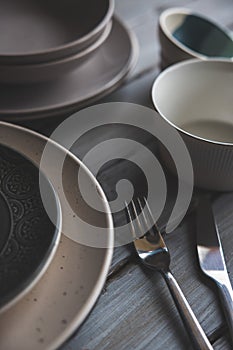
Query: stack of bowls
(43, 40)
(185, 34)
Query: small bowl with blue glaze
(185, 34)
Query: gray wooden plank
(120, 257)
(222, 344)
(131, 11)
(136, 91)
(223, 210)
(124, 323)
(136, 310)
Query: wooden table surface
(135, 309)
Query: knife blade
(211, 257)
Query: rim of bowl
(186, 49)
(68, 60)
(117, 80)
(174, 67)
(104, 21)
(90, 49)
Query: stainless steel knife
(211, 258)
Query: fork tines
(141, 218)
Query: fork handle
(199, 338)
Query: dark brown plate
(28, 238)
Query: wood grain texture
(222, 344)
(135, 310)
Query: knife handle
(226, 295)
(199, 338)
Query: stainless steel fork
(153, 252)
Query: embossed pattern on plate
(27, 235)
(66, 293)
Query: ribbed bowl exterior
(212, 163)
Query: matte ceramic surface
(64, 296)
(196, 97)
(53, 70)
(103, 72)
(35, 32)
(28, 238)
(184, 34)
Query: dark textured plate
(28, 238)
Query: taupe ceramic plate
(29, 238)
(52, 70)
(103, 72)
(34, 31)
(65, 294)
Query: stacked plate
(57, 56)
(51, 266)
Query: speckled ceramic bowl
(185, 34)
(196, 98)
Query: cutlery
(211, 258)
(153, 252)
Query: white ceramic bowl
(196, 98)
(185, 34)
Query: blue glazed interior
(204, 37)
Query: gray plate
(45, 72)
(66, 293)
(101, 74)
(34, 31)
